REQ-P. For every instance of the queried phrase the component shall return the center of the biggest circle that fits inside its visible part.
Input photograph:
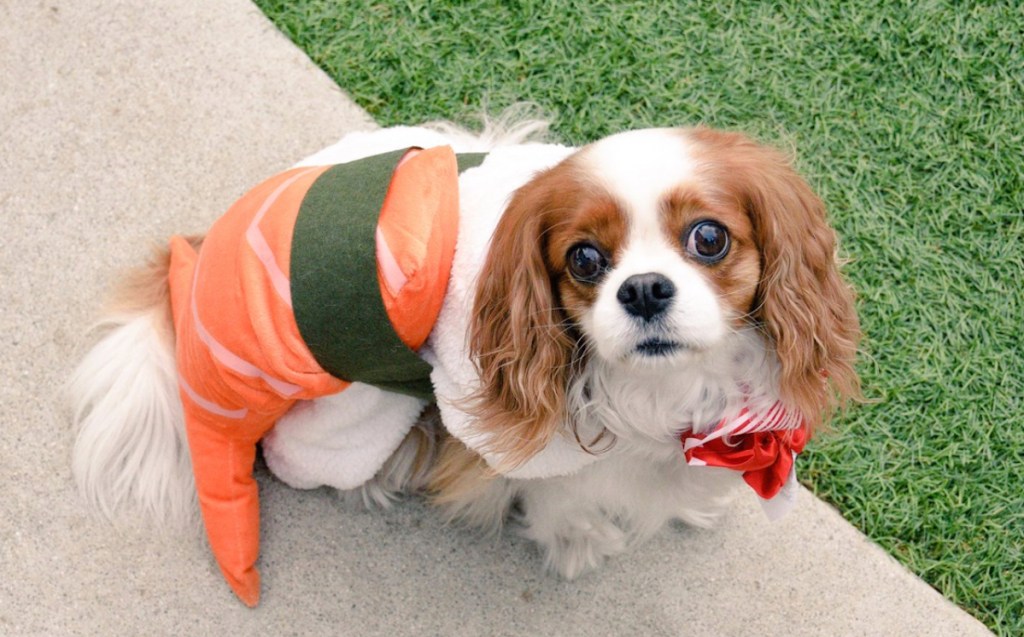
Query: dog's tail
(130, 447)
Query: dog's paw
(701, 518)
(578, 544)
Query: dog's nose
(646, 295)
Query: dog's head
(649, 249)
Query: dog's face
(648, 266)
(648, 249)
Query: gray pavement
(123, 122)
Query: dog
(613, 312)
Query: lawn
(908, 118)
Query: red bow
(765, 457)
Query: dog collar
(761, 441)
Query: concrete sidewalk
(124, 122)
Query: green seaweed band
(335, 294)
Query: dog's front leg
(574, 532)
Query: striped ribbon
(762, 441)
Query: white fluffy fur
(579, 507)
(130, 447)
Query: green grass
(908, 117)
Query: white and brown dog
(609, 308)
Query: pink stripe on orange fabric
(390, 270)
(259, 244)
(231, 360)
(209, 405)
(419, 223)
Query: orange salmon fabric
(241, 360)
(425, 242)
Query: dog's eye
(586, 263)
(708, 241)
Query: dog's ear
(802, 303)
(518, 338)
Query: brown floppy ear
(802, 303)
(518, 336)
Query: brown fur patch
(736, 276)
(146, 287)
(459, 474)
(802, 303)
(520, 338)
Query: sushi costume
(317, 278)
